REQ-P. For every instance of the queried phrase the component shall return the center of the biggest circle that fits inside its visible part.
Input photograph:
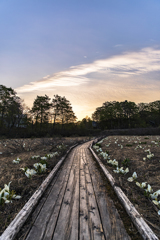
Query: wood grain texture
(112, 224)
(55, 196)
(145, 231)
(22, 216)
(67, 224)
(76, 207)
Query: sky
(90, 51)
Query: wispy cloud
(118, 45)
(124, 65)
(132, 75)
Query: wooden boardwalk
(77, 206)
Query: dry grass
(147, 171)
(23, 186)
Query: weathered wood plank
(112, 224)
(94, 217)
(67, 224)
(73, 225)
(145, 231)
(38, 231)
(31, 220)
(84, 216)
(22, 216)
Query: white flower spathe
(113, 162)
(141, 185)
(150, 155)
(35, 157)
(121, 170)
(17, 160)
(104, 155)
(40, 167)
(30, 172)
(43, 158)
(99, 150)
(6, 194)
(95, 147)
(155, 194)
(149, 189)
(107, 145)
(134, 176)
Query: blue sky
(91, 51)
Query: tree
(11, 107)
(6, 96)
(116, 114)
(62, 110)
(56, 103)
(40, 109)
(129, 110)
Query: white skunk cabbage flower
(16, 196)
(149, 189)
(155, 194)
(141, 185)
(150, 155)
(6, 194)
(121, 170)
(35, 157)
(156, 202)
(40, 167)
(7, 187)
(43, 158)
(17, 160)
(30, 172)
(134, 176)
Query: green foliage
(11, 108)
(62, 110)
(44, 162)
(98, 144)
(142, 142)
(50, 117)
(126, 162)
(129, 145)
(40, 109)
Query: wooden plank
(22, 216)
(96, 227)
(137, 219)
(84, 216)
(112, 224)
(145, 231)
(54, 199)
(31, 220)
(68, 224)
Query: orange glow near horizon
(132, 76)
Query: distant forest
(55, 117)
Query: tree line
(55, 116)
(127, 114)
(46, 117)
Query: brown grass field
(147, 171)
(11, 149)
(133, 149)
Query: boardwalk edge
(142, 227)
(14, 227)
